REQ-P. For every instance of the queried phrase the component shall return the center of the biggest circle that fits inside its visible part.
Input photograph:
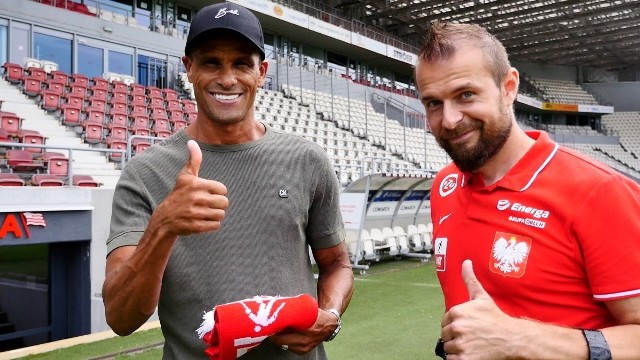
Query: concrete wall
(623, 96)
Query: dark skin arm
(335, 288)
(133, 277)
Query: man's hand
(194, 205)
(304, 341)
(477, 329)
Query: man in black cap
(169, 247)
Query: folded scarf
(232, 329)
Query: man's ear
(186, 61)
(510, 86)
(264, 66)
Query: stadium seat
(393, 241)
(37, 73)
(116, 145)
(79, 80)
(401, 238)
(120, 97)
(32, 137)
(415, 239)
(46, 180)
(154, 92)
(55, 86)
(137, 89)
(382, 243)
(13, 73)
(93, 133)
(31, 86)
(10, 122)
(50, 100)
(426, 235)
(367, 246)
(10, 180)
(85, 181)
(60, 76)
(56, 163)
(22, 161)
(71, 115)
(100, 83)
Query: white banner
(595, 109)
(369, 44)
(524, 99)
(401, 55)
(330, 30)
(352, 206)
(409, 207)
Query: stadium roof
(593, 33)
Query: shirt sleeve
(326, 227)
(608, 232)
(130, 212)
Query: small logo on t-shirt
(440, 253)
(283, 193)
(509, 254)
(448, 184)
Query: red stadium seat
(138, 99)
(117, 133)
(55, 86)
(37, 73)
(71, 115)
(118, 120)
(93, 133)
(137, 89)
(22, 161)
(32, 137)
(118, 108)
(191, 116)
(96, 103)
(174, 104)
(31, 86)
(170, 94)
(119, 97)
(46, 180)
(139, 110)
(156, 102)
(116, 145)
(78, 89)
(98, 93)
(189, 106)
(85, 181)
(80, 80)
(140, 121)
(10, 122)
(60, 76)
(50, 100)
(13, 73)
(119, 87)
(179, 124)
(154, 92)
(100, 83)
(10, 180)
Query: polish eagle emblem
(509, 254)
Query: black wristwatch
(337, 330)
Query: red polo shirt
(554, 238)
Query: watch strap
(337, 330)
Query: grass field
(394, 314)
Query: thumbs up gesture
(194, 205)
(477, 329)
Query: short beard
(493, 136)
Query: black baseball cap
(227, 16)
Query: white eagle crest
(509, 254)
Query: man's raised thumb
(195, 158)
(474, 287)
